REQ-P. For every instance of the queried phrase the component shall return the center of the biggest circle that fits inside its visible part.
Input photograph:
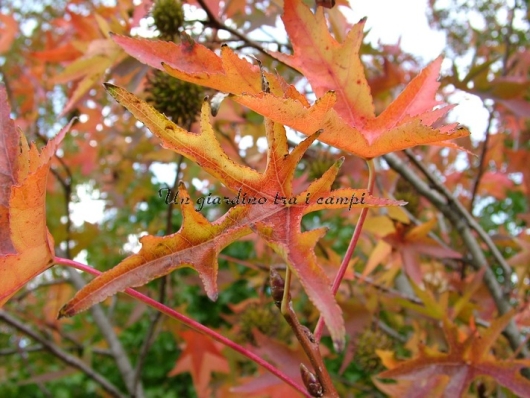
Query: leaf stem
(198, 327)
(351, 247)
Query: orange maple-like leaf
(266, 206)
(408, 244)
(200, 357)
(345, 109)
(26, 246)
(8, 31)
(99, 54)
(465, 361)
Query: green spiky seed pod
(317, 167)
(179, 100)
(405, 191)
(266, 320)
(367, 342)
(169, 18)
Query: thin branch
(30, 290)
(482, 159)
(11, 351)
(391, 332)
(29, 367)
(62, 355)
(388, 290)
(507, 38)
(198, 327)
(116, 348)
(219, 25)
(452, 209)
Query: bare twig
(29, 367)
(480, 167)
(116, 348)
(213, 21)
(62, 355)
(507, 38)
(369, 281)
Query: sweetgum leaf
(200, 357)
(351, 123)
(26, 247)
(198, 242)
(465, 361)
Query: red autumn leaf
(275, 218)
(496, 184)
(26, 247)
(200, 357)
(351, 124)
(465, 361)
(410, 244)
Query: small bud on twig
(314, 388)
(277, 287)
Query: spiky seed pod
(179, 100)
(262, 318)
(317, 167)
(367, 342)
(169, 18)
(405, 191)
